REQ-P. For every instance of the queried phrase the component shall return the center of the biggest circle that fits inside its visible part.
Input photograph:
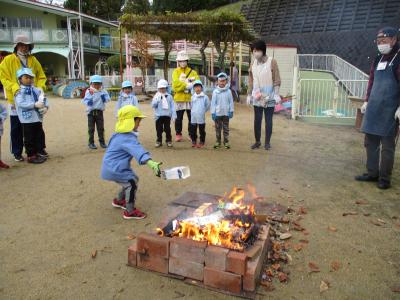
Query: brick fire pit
(198, 262)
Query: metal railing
(327, 97)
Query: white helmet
(22, 39)
(162, 83)
(182, 56)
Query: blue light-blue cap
(25, 71)
(126, 84)
(388, 32)
(222, 75)
(96, 79)
(198, 82)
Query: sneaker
(383, 184)
(194, 145)
(256, 145)
(178, 138)
(366, 177)
(217, 145)
(158, 145)
(169, 144)
(201, 145)
(18, 158)
(3, 165)
(34, 159)
(227, 146)
(134, 214)
(103, 145)
(43, 153)
(92, 146)
(119, 203)
(267, 146)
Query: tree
(137, 7)
(113, 62)
(163, 6)
(105, 9)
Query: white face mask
(385, 48)
(182, 64)
(258, 54)
(20, 53)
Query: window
(21, 22)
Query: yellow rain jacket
(8, 74)
(179, 86)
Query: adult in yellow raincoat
(21, 58)
(183, 78)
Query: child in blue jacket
(31, 106)
(222, 109)
(124, 145)
(200, 105)
(3, 116)
(164, 111)
(95, 100)
(126, 97)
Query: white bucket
(176, 173)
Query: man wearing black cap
(382, 109)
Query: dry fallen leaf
(305, 232)
(282, 277)
(303, 241)
(302, 211)
(396, 289)
(324, 286)
(313, 267)
(362, 202)
(131, 236)
(285, 236)
(269, 287)
(289, 257)
(332, 228)
(366, 214)
(398, 225)
(335, 265)
(94, 253)
(350, 213)
(298, 247)
(276, 267)
(375, 222)
(381, 221)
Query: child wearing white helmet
(31, 106)
(164, 111)
(3, 116)
(200, 105)
(126, 96)
(95, 100)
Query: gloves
(214, 117)
(39, 104)
(155, 166)
(277, 99)
(397, 114)
(364, 107)
(41, 97)
(248, 100)
(90, 102)
(230, 115)
(43, 110)
(103, 98)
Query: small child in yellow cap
(123, 146)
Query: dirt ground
(52, 216)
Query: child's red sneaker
(134, 214)
(119, 203)
(201, 145)
(3, 165)
(178, 138)
(194, 145)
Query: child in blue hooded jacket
(31, 106)
(222, 110)
(126, 97)
(164, 110)
(95, 100)
(200, 105)
(3, 116)
(124, 145)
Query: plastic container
(176, 173)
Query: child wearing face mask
(3, 116)
(200, 105)
(126, 97)
(124, 145)
(95, 100)
(164, 111)
(222, 110)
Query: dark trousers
(33, 138)
(202, 131)
(222, 124)
(380, 155)
(17, 136)
(163, 124)
(179, 120)
(128, 193)
(95, 119)
(258, 116)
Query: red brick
(186, 268)
(153, 263)
(264, 233)
(153, 245)
(223, 280)
(236, 262)
(132, 253)
(216, 257)
(254, 250)
(187, 249)
(253, 272)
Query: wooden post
(240, 67)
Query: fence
(327, 97)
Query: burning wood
(230, 223)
